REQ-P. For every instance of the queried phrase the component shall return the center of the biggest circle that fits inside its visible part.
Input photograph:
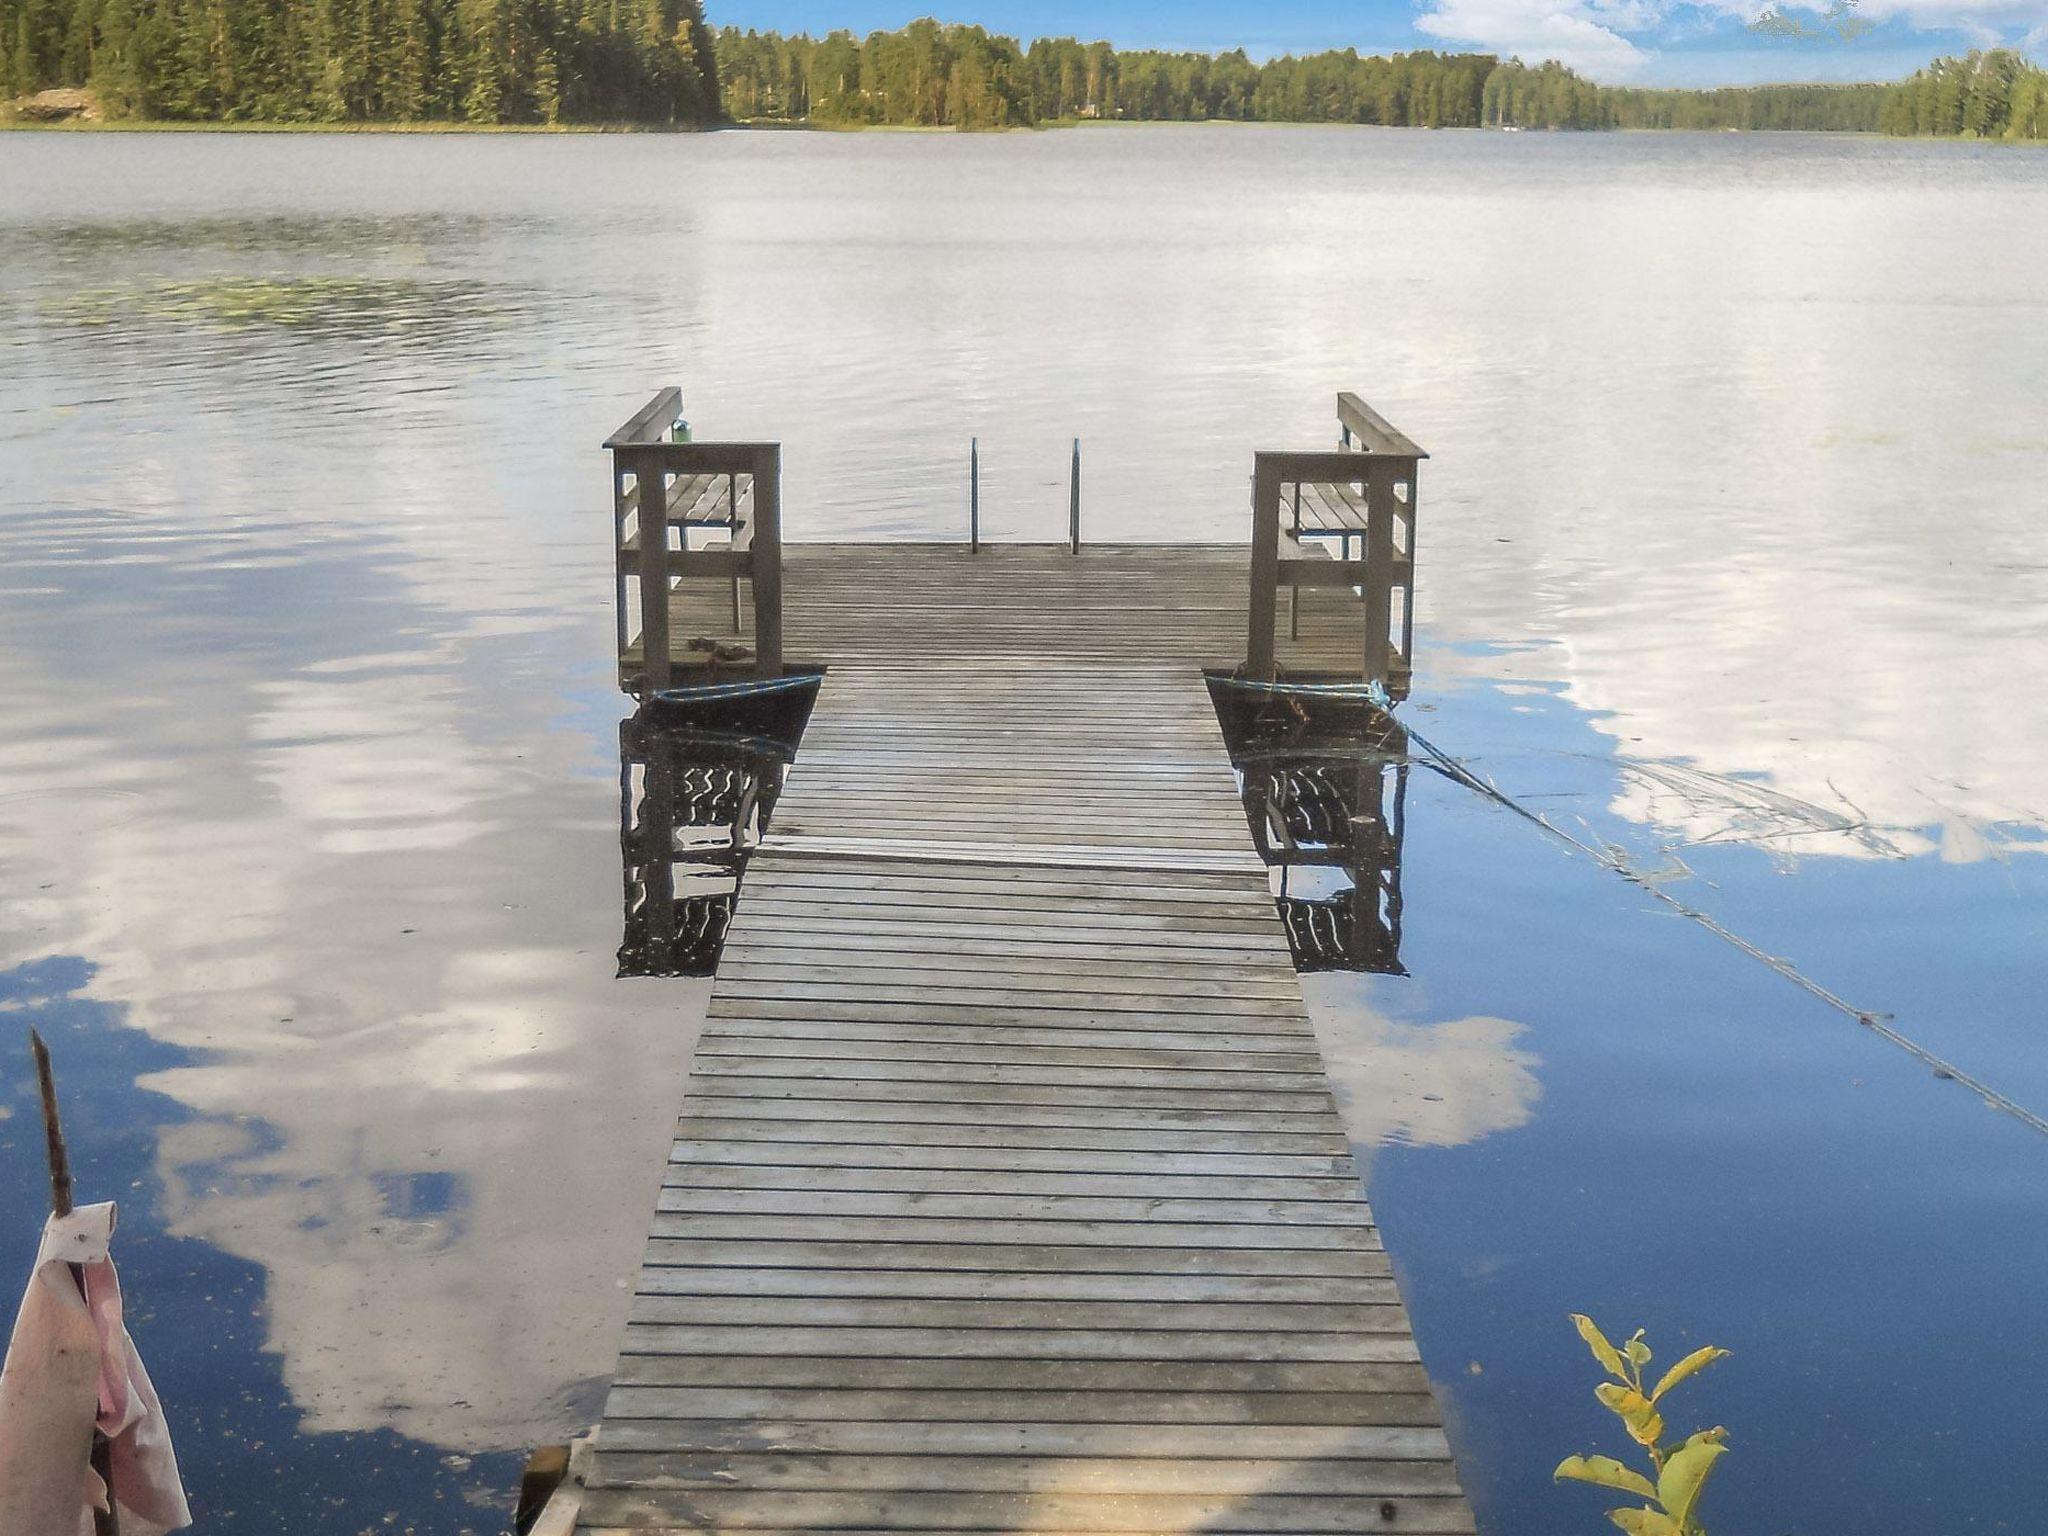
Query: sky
(1647, 42)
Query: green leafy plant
(1678, 1470)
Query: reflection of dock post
(647, 839)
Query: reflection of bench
(1324, 780)
(1361, 495)
(1333, 828)
(693, 804)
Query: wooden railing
(734, 489)
(1364, 491)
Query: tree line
(935, 75)
(1995, 95)
(655, 61)
(471, 61)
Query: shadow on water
(198, 1313)
(698, 779)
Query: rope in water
(1367, 693)
(697, 693)
(1878, 1023)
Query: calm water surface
(1734, 565)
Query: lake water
(1734, 565)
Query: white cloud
(1444, 1083)
(1618, 39)
(1986, 21)
(1576, 33)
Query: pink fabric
(71, 1365)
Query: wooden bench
(731, 489)
(1363, 496)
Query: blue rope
(1458, 772)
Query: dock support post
(650, 482)
(1074, 503)
(767, 559)
(1380, 479)
(974, 495)
(1265, 593)
(1294, 593)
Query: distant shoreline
(923, 77)
(776, 125)
(427, 129)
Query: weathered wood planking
(1016, 605)
(1008, 1193)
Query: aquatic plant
(1678, 1470)
(354, 306)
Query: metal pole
(1074, 502)
(974, 495)
(732, 516)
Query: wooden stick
(53, 1128)
(105, 1522)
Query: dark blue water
(253, 1461)
(1688, 1143)
(1732, 567)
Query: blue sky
(1652, 42)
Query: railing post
(974, 495)
(1293, 592)
(1074, 503)
(651, 487)
(1413, 481)
(622, 622)
(1265, 592)
(767, 560)
(1381, 476)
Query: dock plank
(1008, 1192)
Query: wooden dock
(1008, 1193)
